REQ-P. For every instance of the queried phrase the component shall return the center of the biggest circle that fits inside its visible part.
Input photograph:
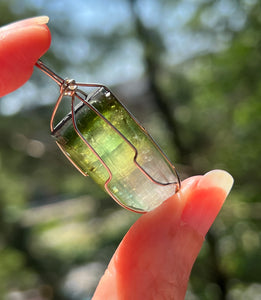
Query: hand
(22, 43)
(156, 256)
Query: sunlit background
(190, 71)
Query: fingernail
(217, 178)
(206, 200)
(41, 20)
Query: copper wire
(71, 88)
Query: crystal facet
(141, 177)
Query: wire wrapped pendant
(103, 140)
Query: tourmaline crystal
(129, 185)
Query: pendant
(102, 139)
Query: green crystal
(129, 185)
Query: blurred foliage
(190, 70)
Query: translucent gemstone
(139, 180)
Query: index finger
(155, 257)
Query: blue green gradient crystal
(129, 185)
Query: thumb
(22, 43)
(155, 258)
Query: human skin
(21, 44)
(155, 258)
